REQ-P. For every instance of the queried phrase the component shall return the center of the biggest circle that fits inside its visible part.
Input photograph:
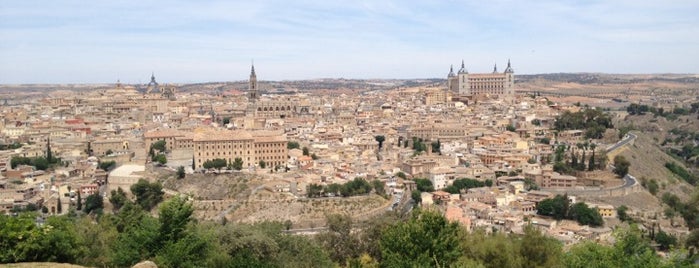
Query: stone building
(155, 90)
(250, 147)
(273, 107)
(495, 83)
(100, 147)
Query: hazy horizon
(245, 80)
(77, 42)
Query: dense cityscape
(365, 134)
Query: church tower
(153, 86)
(252, 86)
(510, 79)
(464, 85)
(253, 95)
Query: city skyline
(182, 42)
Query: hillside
(648, 160)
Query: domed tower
(464, 85)
(152, 85)
(510, 79)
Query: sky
(65, 41)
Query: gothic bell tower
(252, 86)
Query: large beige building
(250, 146)
(494, 83)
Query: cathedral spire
(463, 68)
(451, 71)
(509, 67)
(252, 86)
(495, 68)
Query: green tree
(96, 237)
(665, 241)
(424, 185)
(545, 140)
(585, 215)
(436, 146)
(263, 164)
(94, 202)
(22, 240)
(653, 186)
(418, 145)
(79, 205)
(159, 145)
(630, 250)
(59, 206)
(539, 250)
(556, 207)
(622, 214)
(427, 239)
(400, 174)
(530, 184)
(591, 163)
(174, 216)
(339, 239)
(464, 183)
(107, 165)
(19, 160)
(510, 128)
(217, 163)
(305, 151)
(147, 194)
(137, 239)
(292, 145)
(314, 190)
(380, 139)
(118, 198)
(238, 163)
(41, 163)
(491, 250)
(161, 159)
(621, 166)
(180, 172)
(378, 187)
(416, 196)
(49, 153)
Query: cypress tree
(59, 206)
(49, 154)
(591, 163)
(80, 202)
